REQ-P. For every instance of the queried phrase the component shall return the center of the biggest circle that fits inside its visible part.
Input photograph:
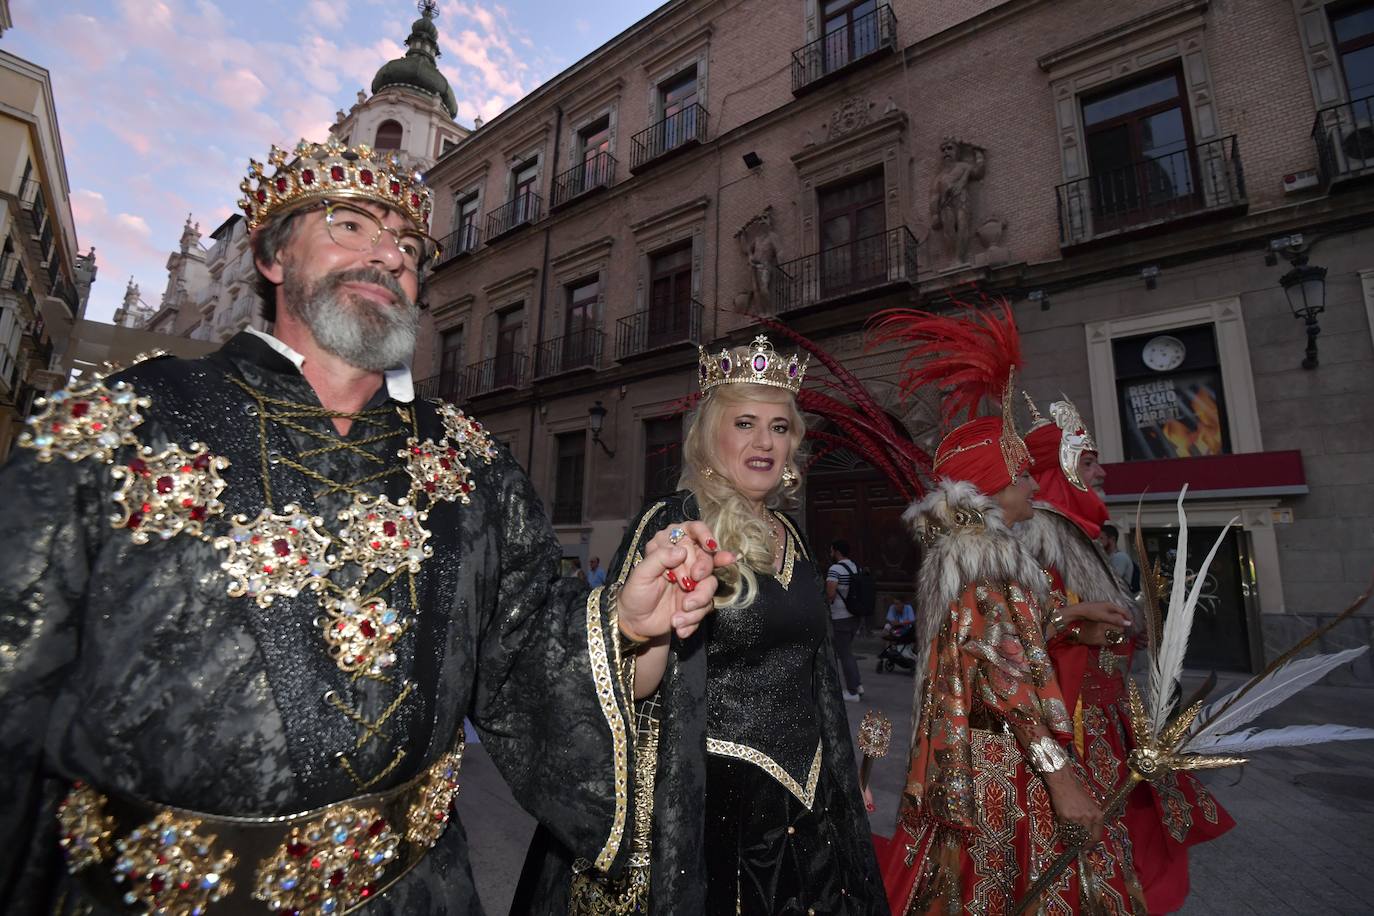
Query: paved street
(1305, 818)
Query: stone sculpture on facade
(758, 242)
(950, 206)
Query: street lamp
(1305, 287)
(596, 415)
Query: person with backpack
(844, 587)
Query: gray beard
(362, 333)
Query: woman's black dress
(746, 791)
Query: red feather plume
(969, 357)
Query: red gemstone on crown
(415, 200)
(396, 188)
(297, 850)
(308, 176)
(365, 176)
(281, 185)
(367, 629)
(135, 519)
(262, 195)
(197, 513)
(156, 884)
(389, 528)
(336, 172)
(201, 463)
(280, 547)
(165, 484)
(336, 878)
(377, 826)
(138, 466)
(79, 409)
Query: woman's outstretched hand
(672, 588)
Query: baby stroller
(900, 651)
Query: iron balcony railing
(854, 41)
(502, 371)
(663, 325)
(1201, 179)
(592, 174)
(679, 131)
(463, 240)
(861, 266)
(1344, 135)
(449, 385)
(521, 210)
(578, 350)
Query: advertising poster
(1180, 415)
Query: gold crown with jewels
(332, 171)
(756, 364)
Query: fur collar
(1056, 541)
(963, 540)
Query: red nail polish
(671, 576)
(711, 544)
(687, 583)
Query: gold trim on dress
(604, 680)
(807, 795)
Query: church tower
(412, 107)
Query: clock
(1163, 353)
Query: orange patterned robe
(977, 825)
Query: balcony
(9, 265)
(863, 267)
(596, 173)
(522, 210)
(449, 385)
(502, 372)
(578, 350)
(463, 241)
(665, 325)
(674, 134)
(1344, 135)
(1205, 180)
(841, 50)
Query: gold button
(791, 830)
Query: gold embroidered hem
(805, 794)
(604, 681)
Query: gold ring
(676, 535)
(1073, 834)
(1114, 637)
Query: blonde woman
(745, 792)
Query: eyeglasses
(358, 230)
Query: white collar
(400, 385)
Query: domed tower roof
(418, 70)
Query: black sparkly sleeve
(549, 707)
(48, 534)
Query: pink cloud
(240, 89)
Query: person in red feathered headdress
(1091, 644)
(992, 795)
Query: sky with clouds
(162, 102)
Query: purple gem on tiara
(725, 364)
(792, 371)
(760, 362)
(701, 370)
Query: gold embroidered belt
(328, 861)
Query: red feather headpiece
(969, 357)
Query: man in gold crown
(247, 601)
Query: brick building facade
(1135, 177)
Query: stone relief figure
(758, 242)
(990, 234)
(950, 207)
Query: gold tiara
(756, 364)
(333, 171)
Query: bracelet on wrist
(629, 645)
(1047, 755)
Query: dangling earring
(706, 472)
(789, 476)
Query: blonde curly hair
(726, 511)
